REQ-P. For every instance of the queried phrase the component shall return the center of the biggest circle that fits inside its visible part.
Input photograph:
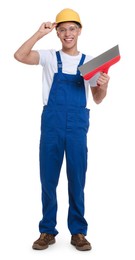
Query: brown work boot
(44, 241)
(80, 242)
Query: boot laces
(81, 237)
(44, 236)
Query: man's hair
(78, 24)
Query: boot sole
(38, 247)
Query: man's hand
(103, 80)
(99, 92)
(46, 28)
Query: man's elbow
(98, 101)
(18, 57)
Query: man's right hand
(46, 28)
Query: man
(64, 124)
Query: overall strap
(59, 62)
(82, 59)
(81, 62)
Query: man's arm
(25, 54)
(99, 92)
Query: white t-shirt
(48, 61)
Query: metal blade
(99, 60)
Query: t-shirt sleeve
(45, 56)
(42, 57)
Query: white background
(110, 184)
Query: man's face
(68, 33)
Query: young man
(64, 124)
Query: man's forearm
(99, 92)
(26, 47)
(99, 95)
(25, 53)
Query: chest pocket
(71, 91)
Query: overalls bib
(64, 126)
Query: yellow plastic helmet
(68, 15)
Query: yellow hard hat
(68, 15)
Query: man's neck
(72, 52)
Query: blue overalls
(64, 126)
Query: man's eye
(62, 30)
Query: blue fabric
(64, 126)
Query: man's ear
(57, 34)
(80, 30)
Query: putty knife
(101, 63)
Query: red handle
(104, 68)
